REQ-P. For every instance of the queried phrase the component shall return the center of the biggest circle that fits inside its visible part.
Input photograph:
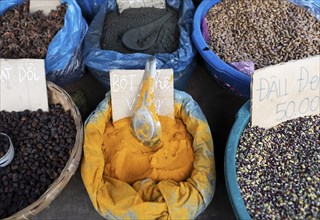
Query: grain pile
(266, 32)
(278, 169)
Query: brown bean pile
(25, 35)
(266, 32)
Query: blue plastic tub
(236, 81)
(237, 203)
(229, 77)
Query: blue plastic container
(237, 203)
(231, 78)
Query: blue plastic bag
(8, 4)
(90, 7)
(312, 5)
(64, 61)
(100, 62)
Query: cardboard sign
(124, 4)
(285, 91)
(125, 87)
(23, 85)
(43, 5)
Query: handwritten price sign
(285, 91)
(125, 4)
(43, 5)
(125, 85)
(23, 85)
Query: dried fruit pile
(25, 35)
(43, 142)
(278, 170)
(266, 32)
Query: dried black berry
(41, 153)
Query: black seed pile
(115, 25)
(266, 32)
(278, 170)
(43, 142)
(25, 35)
(4, 145)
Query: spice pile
(278, 170)
(43, 142)
(129, 160)
(115, 25)
(25, 35)
(266, 32)
(4, 145)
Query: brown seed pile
(278, 170)
(266, 32)
(25, 35)
(43, 142)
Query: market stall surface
(219, 106)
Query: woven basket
(58, 95)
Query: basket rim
(68, 171)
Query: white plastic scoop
(7, 158)
(145, 124)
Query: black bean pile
(25, 35)
(266, 32)
(115, 25)
(4, 145)
(43, 142)
(278, 170)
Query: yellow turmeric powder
(129, 160)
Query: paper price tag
(285, 91)
(43, 5)
(23, 85)
(125, 85)
(124, 4)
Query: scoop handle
(131, 38)
(146, 92)
(150, 69)
(158, 23)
